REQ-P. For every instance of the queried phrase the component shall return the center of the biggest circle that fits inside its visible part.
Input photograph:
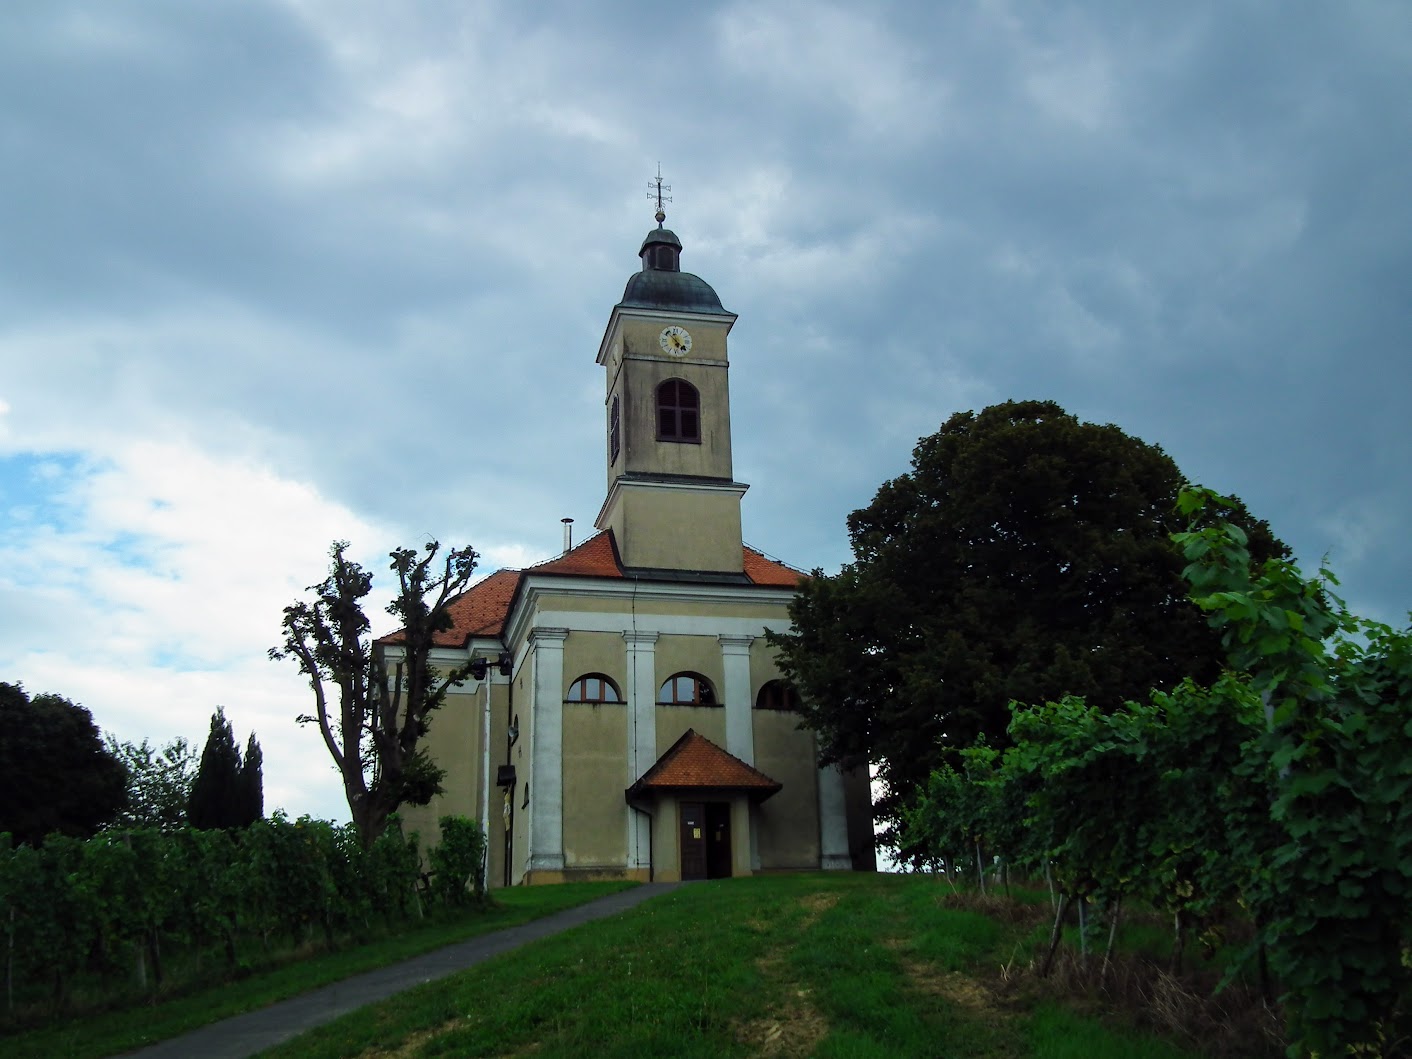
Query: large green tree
(1026, 556)
(56, 777)
(158, 782)
(373, 701)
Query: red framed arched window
(687, 689)
(594, 688)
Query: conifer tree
(228, 792)
(252, 782)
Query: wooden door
(718, 840)
(693, 840)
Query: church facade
(632, 721)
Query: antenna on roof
(568, 534)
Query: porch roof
(694, 764)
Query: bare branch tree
(372, 731)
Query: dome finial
(655, 188)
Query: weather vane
(655, 189)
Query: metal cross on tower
(655, 189)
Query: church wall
(666, 841)
(673, 721)
(678, 528)
(763, 667)
(788, 823)
(594, 652)
(559, 609)
(642, 452)
(454, 742)
(708, 339)
(695, 654)
(524, 773)
(595, 832)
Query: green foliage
(1026, 556)
(96, 906)
(158, 782)
(227, 791)
(1284, 788)
(458, 861)
(1332, 887)
(56, 777)
(386, 691)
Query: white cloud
(155, 588)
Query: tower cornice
(623, 313)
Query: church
(631, 721)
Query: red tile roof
(595, 557)
(763, 570)
(482, 609)
(693, 762)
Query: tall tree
(1026, 556)
(56, 777)
(373, 729)
(252, 782)
(221, 795)
(158, 782)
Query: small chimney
(568, 533)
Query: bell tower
(673, 502)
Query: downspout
(485, 766)
(509, 852)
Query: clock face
(675, 341)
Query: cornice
(621, 313)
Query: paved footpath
(253, 1032)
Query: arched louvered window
(777, 695)
(687, 689)
(593, 688)
(678, 411)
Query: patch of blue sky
(34, 487)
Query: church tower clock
(673, 503)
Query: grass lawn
(834, 965)
(145, 1023)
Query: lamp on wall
(504, 665)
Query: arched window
(614, 433)
(777, 695)
(678, 411)
(594, 688)
(687, 689)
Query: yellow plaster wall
(595, 652)
(642, 338)
(762, 656)
(677, 529)
(453, 740)
(788, 824)
(771, 614)
(673, 721)
(524, 684)
(693, 654)
(595, 812)
(666, 841)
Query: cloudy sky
(275, 272)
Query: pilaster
(833, 821)
(641, 694)
(546, 805)
(740, 728)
